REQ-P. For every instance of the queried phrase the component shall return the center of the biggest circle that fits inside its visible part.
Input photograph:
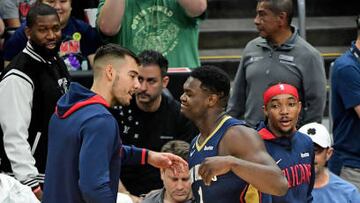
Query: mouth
(142, 95)
(285, 122)
(51, 45)
(183, 106)
(180, 194)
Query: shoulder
(341, 183)
(304, 139)
(77, 25)
(154, 196)
(254, 42)
(240, 136)
(345, 60)
(170, 104)
(306, 48)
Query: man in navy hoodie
(292, 150)
(85, 149)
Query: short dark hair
(214, 80)
(39, 9)
(277, 6)
(177, 147)
(114, 50)
(151, 57)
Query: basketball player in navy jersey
(226, 157)
(292, 150)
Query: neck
(208, 123)
(168, 199)
(279, 133)
(103, 91)
(150, 106)
(281, 37)
(322, 179)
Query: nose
(179, 185)
(284, 109)
(182, 98)
(136, 84)
(256, 20)
(51, 35)
(57, 4)
(143, 86)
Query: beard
(45, 52)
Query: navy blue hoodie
(295, 157)
(85, 150)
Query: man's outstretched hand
(167, 160)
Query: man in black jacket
(31, 84)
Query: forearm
(110, 17)
(265, 178)
(194, 8)
(132, 155)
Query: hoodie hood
(267, 135)
(76, 98)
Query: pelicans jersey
(227, 188)
(295, 157)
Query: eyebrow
(132, 71)
(291, 97)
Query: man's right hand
(38, 193)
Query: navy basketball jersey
(227, 188)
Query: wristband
(144, 156)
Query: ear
(162, 174)
(300, 107)
(109, 72)
(213, 99)
(27, 32)
(283, 18)
(329, 153)
(266, 113)
(165, 81)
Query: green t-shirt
(160, 25)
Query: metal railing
(302, 18)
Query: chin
(180, 198)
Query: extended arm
(243, 152)
(193, 8)
(110, 16)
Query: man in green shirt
(167, 26)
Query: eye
(151, 81)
